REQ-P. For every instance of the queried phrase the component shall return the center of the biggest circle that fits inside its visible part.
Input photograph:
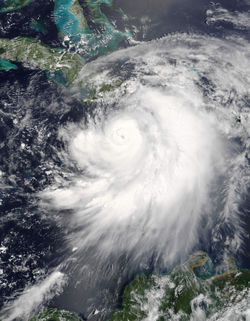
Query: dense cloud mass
(162, 157)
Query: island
(11, 5)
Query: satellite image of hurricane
(124, 160)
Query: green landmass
(186, 286)
(35, 54)
(52, 314)
(11, 5)
(93, 93)
(108, 87)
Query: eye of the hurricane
(120, 135)
(121, 132)
(124, 135)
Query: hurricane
(160, 157)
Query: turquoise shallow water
(94, 44)
(6, 65)
(67, 23)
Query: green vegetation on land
(181, 291)
(35, 54)
(51, 314)
(93, 94)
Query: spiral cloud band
(163, 155)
